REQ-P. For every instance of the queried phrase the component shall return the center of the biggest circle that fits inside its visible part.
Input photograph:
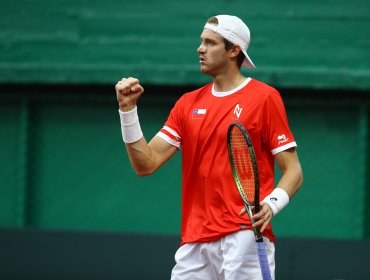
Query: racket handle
(264, 263)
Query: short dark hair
(228, 45)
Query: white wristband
(130, 126)
(277, 200)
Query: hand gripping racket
(244, 167)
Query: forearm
(138, 150)
(141, 157)
(289, 183)
(291, 180)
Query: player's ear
(234, 51)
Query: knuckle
(133, 80)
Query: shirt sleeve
(172, 130)
(276, 132)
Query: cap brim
(247, 63)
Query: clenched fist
(128, 91)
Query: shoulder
(264, 93)
(263, 88)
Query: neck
(228, 80)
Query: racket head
(243, 164)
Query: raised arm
(145, 157)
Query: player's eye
(209, 43)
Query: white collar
(226, 93)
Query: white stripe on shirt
(283, 148)
(169, 140)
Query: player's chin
(204, 69)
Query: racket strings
(243, 163)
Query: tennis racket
(244, 167)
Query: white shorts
(233, 257)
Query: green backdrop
(62, 161)
(64, 165)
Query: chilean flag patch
(199, 113)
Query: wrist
(277, 200)
(126, 107)
(130, 126)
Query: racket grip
(262, 257)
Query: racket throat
(257, 233)
(250, 211)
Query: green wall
(315, 44)
(64, 166)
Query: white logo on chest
(238, 110)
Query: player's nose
(201, 49)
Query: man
(217, 240)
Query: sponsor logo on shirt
(282, 139)
(238, 111)
(199, 113)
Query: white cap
(236, 31)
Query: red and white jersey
(198, 124)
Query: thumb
(242, 211)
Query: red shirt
(198, 124)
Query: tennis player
(216, 237)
